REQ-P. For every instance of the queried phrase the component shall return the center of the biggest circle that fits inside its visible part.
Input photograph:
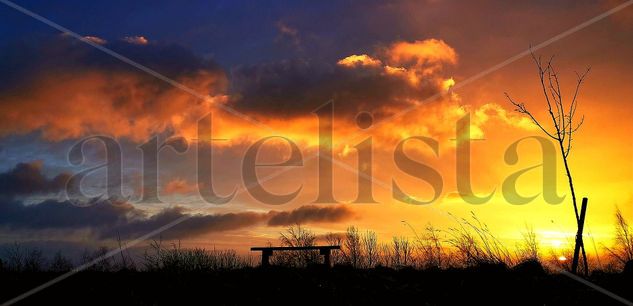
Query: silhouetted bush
(34, 261)
(529, 267)
(296, 236)
(98, 260)
(628, 267)
(59, 263)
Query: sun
(555, 243)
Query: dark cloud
(111, 219)
(52, 214)
(66, 89)
(297, 87)
(27, 58)
(28, 179)
(311, 214)
(194, 225)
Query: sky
(260, 69)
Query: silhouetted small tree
(101, 262)
(352, 247)
(34, 261)
(402, 251)
(296, 236)
(15, 257)
(59, 263)
(370, 249)
(562, 113)
(335, 239)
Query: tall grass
(622, 249)
(178, 259)
(476, 245)
(528, 249)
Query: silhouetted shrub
(59, 263)
(15, 258)
(297, 236)
(34, 261)
(628, 267)
(352, 249)
(98, 260)
(529, 267)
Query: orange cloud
(69, 91)
(412, 61)
(421, 53)
(359, 60)
(118, 104)
(96, 40)
(136, 40)
(179, 186)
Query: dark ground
(339, 285)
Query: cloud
(179, 186)
(109, 219)
(194, 225)
(421, 53)
(311, 214)
(96, 40)
(63, 89)
(359, 60)
(28, 179)
(199, 224)
(288, 33)
(136, 40)
(53, 214)
(397, 76)
(66, 89)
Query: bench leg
(265, 258)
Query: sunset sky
(261, 69)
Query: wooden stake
(579, 242)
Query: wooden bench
(324, 250)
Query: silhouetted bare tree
(60, 263)
(562, 113)
(352, 247)
(402, 251)
(297, 236)
(370, 248)
(335, 239)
